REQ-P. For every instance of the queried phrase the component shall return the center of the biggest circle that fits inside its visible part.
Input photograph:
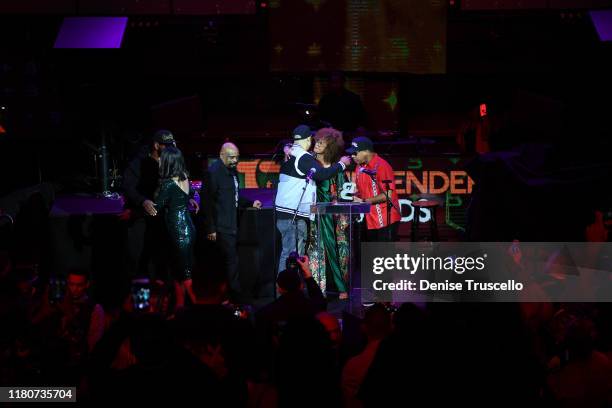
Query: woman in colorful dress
(328, 250)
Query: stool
(432, 205)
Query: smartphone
(141, 294)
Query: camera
(291, 264)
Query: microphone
(310, 173)
(369, 172)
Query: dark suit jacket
(218, 200)
(140, 180)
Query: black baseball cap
(360, 143)
(302, 132)
(164, 137)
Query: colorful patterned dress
(331, 252)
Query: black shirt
(140, 180)
(219, 204)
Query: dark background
(544, 74)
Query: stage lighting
(602, 20)
(91, 32)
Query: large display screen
(358, 35)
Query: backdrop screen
(358, 35)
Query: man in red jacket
(370, 176)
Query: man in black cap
(141, 177)
(140, 182)
(370, 176)
(297, 181)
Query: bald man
(221, 200)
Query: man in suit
(146, 232)
(221, 200)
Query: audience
(332, 327)
(585, 379)
(306, 375)
(218, 334)
(154, 369)
(76, 317)
(403, 362)
(376, 326)
(293, 302)
(292, 352)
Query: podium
(341, 208)
(348, 208)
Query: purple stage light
(602, 20)
(91, 32)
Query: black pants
(385, 234)
(227, 244)
(147, 244)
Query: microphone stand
(294, 220)
(390, 206)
